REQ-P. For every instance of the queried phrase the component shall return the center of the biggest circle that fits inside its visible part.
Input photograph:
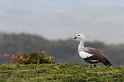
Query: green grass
(60, 73)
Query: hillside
(60, 73)
(62, 50)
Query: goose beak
(75, 37)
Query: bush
(37, 57)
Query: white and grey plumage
(90, 55)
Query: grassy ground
(60, 73)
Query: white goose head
(80, 37)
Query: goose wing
(97, 55)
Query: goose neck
(81, 45)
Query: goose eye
(78, 35)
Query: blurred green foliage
(37, 57)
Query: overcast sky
(101, 20)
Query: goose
(90, 55)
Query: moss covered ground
(60, 73)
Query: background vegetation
(37, 57)
(62, 50)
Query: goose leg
(94, 65)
